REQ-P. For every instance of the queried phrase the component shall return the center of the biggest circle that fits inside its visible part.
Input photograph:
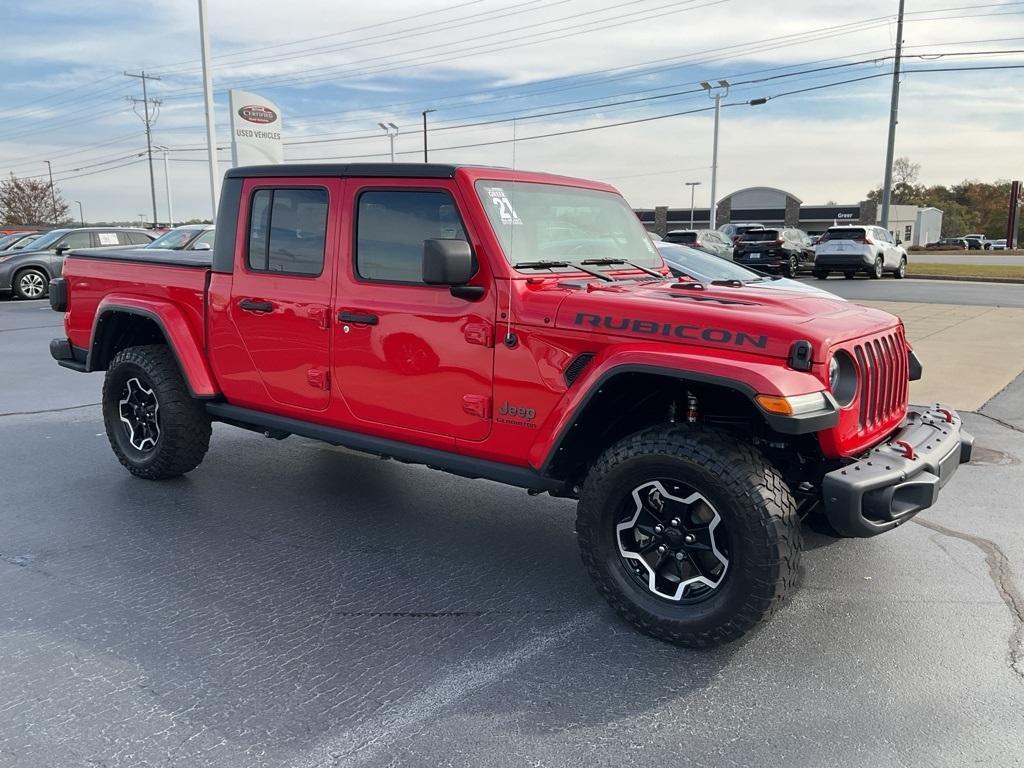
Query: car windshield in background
(703, 266)
(759, 235)
(48, 239)
(547, 222)
(175, 239)
(843, 234)
(6, 240)
(681, 237)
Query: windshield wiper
(627, 262)
(562, 264)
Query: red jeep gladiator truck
(522, 328)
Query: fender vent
(576, 367)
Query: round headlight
(842, 378)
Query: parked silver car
(854, 248)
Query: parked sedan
(27, 273)
(684, 261)
(709, 240)
(853, 249)
(17, 240)
(948, 244)
(786, 250)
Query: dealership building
(779, 208)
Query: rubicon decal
(672, 331)
(256, 113)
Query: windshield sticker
(505, 210)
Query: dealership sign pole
(211, 135)
(255, 130)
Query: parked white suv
(852, 249)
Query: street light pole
(53, 193)
(392, 131)
(693, 188)
(723, 85)
(425, 113)
(167, 190)
(81, 216)
(894, 111)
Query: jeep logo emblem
(256, 113)
(516, 415)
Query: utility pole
(693, 188)
(723, 85)
(53, 193)
(211, 135)
(146, 101)
(81, 216)
(425, 113)
(894, 111)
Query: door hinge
(477, 405)
(321, 316)
(480, 333)
(319, 378)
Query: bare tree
(25, 202)
(904, 172)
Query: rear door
(282, 287)
(410, 357)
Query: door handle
(352, 317)
(256, 305)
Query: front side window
(547, 222)
(288, 231)
(391, 225)
(204, 239)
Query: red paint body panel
(435, 371)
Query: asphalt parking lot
(290, 604)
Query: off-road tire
(754, 503)
(877, 269)
(901, 270)
(39, 278)
(184, 425)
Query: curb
(968, 279)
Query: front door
(282, 286)
(409, 357)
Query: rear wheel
(849, 274)
(877, 269)
(31, 283)
(155, 427)
(901, 271)
(792, 267)
(821, 274)
(689, 534)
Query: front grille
(884, 378)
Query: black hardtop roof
(371, 170)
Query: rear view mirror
(451, 263)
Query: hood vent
(712, 300)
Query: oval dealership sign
(256, 113)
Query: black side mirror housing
(451, 262)
(62, 249)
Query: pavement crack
(1000, 573)
(49, 410)
(1000, 422)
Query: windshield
(7, 240)
(49, 239)
(24, 241)
(175, 239)
(546, 222)
(703, 266)
(681, 237)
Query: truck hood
(738, 317)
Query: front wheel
(792, 266)
(878, 269)
(901, 270)
(689, 534)
(31, 283)
(155, 427)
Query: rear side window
(287, 231)
(79, 240)
(134, 238)
(391, 226)
(681, 237)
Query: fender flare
(735, 375)
(186, 348)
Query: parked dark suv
(776, 250)
(27, 273)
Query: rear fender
(748, 375)
(187, 348)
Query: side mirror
(899, 242)
(202, 247)
(62, 249)
(451, 263)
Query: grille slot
(883, 368)
(576, 367)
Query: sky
(622, 78)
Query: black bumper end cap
(68, 355)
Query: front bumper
(898, 478)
